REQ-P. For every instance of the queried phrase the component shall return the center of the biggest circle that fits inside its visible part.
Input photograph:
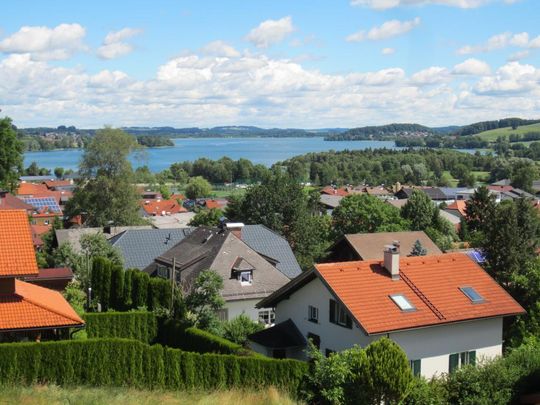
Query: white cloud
(388, 29)
(519, 55)
(388, 51)
(44, 43)
(473, 67)
(200, 89)
(431, 75)
(114, 46)
(387, 4)
(501, 41)
(220, 48)
(270, 32)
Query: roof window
(472, 294)
(402, 302)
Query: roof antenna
(167, 239)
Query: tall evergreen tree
(11, 155)
(479, 209)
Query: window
(267, 317)
(458, 360)
(472, 294)
(313, 314)
(223, 314)
(315, 339)
(402, 302)
(245, 277)
(339, 315)
(163, 272)
(416, 367)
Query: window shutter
(332, 311)
(349, 322)
(472, 357)
(454, 361)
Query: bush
(238, 329)
(139, 325)
(123, 362)
(176, 334)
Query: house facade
(444, 311)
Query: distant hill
(232, 131)
(382, 132)
(479, 127)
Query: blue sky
(269, 63)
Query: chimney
(391, 259)
(2, 196)
(235, 228)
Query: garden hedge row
(123, 362)
(139, 325)
(173, 333)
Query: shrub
(238, 329)
(139, 325)
(139, 289)
(123, 362)
(117, 287)
(176, 334)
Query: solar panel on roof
(477, 256)
(43, 202)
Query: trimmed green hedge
(139, 325)
(173, 333)
(123, 362)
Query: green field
(493, 134)
(53, 395)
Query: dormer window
(472, 294)
(242, 270)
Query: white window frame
(249, 273)
(267, 317)
(341, 315)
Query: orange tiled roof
(32, 189)
(212, 204)
(335, 191)
(31, 306)
(430, 283)
(158, 207)
(460, 206)
(17, 255)
(500, 188)
(178, 197)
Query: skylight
(472, 294)
(402, 302)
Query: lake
(259, 150)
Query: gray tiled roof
(140, 247)
(270, 244)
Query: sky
(275, 63)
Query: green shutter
(472, 357)
(332, 311)
(417, 366)
(454, 361)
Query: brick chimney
(235, 228)
(391, 259)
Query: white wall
(239, 307)
(432, 345)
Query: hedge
(173, 333)
(139, 325)
(123, 362)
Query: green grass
(53, 395)
(493, 134)
(481, 176)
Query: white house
(444, 310)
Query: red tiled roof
(40, 229)
(460, 206)
(54, 273)
(212, 204)
(335, 191)
(10, 202)
(162, 207)
(430, 283)
(32, 189)
(17, 257)
(500, 188)
(178, 197)
(57, 183)
(31, 306)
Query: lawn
(53, 395)
(493, 134)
